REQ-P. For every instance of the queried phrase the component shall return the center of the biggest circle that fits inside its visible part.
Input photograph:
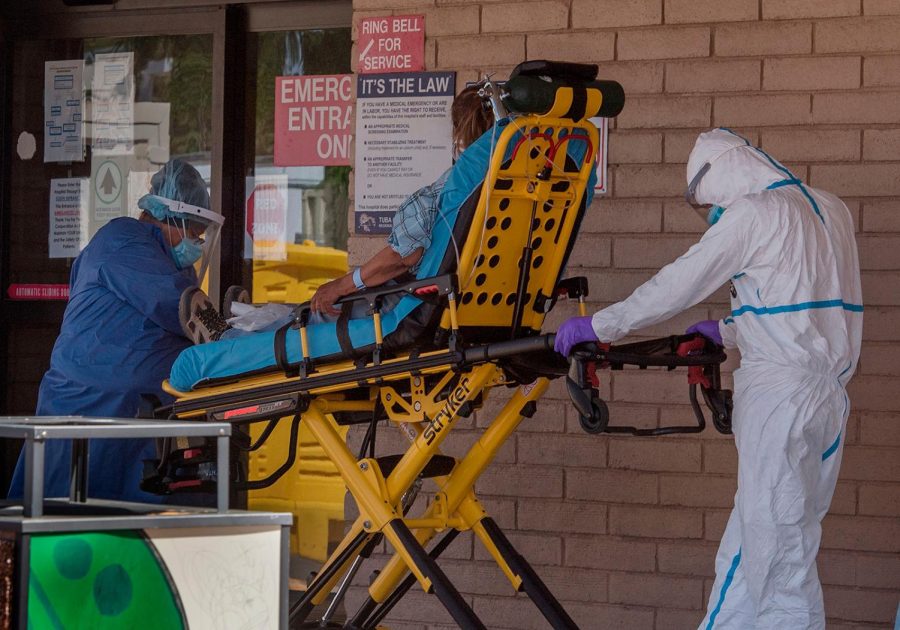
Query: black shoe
(234, 293)
(200, 320)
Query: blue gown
(120, 335)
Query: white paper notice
(63, 110)
(112, 103)
(403, 141)
(602, 125)
(69, 207)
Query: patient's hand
(329, 293)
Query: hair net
(179, 181)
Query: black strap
(342, 328)
(579, 103)
(281, 354)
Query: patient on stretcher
(426, 241)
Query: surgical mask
(187, 252)
(714, 214)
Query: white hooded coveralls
(790, 254)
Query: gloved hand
(709, 328)
(574, 331)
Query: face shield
(200, 230)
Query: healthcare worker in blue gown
(121, 330)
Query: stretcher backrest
(534, 197)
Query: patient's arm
(383, 266)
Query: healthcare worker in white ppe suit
(789, 253)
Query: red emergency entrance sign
(312, 120)
(38, 291)
(391, 44)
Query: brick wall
(625, 530)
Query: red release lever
(695, 372)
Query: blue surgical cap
(176, 180)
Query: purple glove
(574, 331)
(709, 328)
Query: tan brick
(853, 605)
(714, 522)
(710, 75)
(882, 429)
(576, 585)
(881, 144)
(881, 216)
(456, 52)
(561, 516)
(813, 145)
(879, 252)
(363, 5)
(873, 393)
(590, 251)
(762, 39)
(611, 554)
(501, 510)
(857, 180)
(861, 533)
(543, 481)
(636, 77)
(837, 567)
(679, 144)
(610, 486)
(880, 499)
(644, 253)
(565, 450)
(460, 20)
(882, 324)
(663, 43)
(781, 109)
(697, 491)
(538, 549)
(603, 616)
(705, 11)
(612, 286)
(655, 522)
(655, 590)
(628, 147)
(881, 7)
(668, 618)
(791, 9)
(844, 499)
(591, 47)
(476, 578)
(878, 571)
(515, 17)
(660, 455)
(881, 71)
(867, 463)
(658, 180)
(812, 73)
(649, 386)
(616, 13)
(687, 558)
(670, 111)
(876, 34)
(857, 108)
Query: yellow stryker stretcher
(513, 239)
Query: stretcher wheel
(599, 418)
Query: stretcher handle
(702, 357)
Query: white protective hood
(736, 168)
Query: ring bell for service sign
(312, 120)
(393, 43)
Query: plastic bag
(250, 318)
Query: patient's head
(470, 118)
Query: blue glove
(574, 331)
(709, 328)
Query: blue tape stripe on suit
(728, 580)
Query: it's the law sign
(391, 44)
(312, 120)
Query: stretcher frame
(426, 393)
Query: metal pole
(222, 471)
(34, 478)
(78, 481)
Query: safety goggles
(689, 194)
